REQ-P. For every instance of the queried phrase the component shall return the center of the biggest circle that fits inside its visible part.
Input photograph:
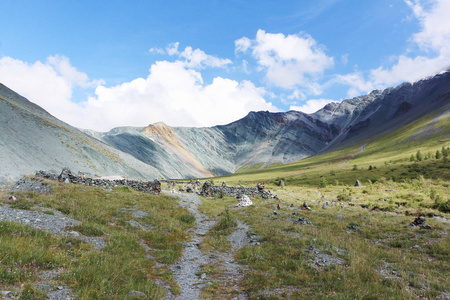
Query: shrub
(323, 182)
(444, 206)
(226, 222)
(343, 197)
(186, 218)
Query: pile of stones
(68, 177)
(420, 222)
(244, 201)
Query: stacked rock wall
(67, 176)
(234, 191)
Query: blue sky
(102, 64)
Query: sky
(103, 64)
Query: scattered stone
(74, 234)
(340, 217)
(325, 205)
(357, 183)
(203, 276)
(275, 212)
(12, 198)
(206, 284)
(30, 185)
(303, 221)
(278, 206)
(305, 206)
(281, 183)
(420, 222)
(292, 205)
(138, 214)
(136, 294)
(134, 223)
(353, 227)
(257, 256)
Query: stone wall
(67, 176)
(235, 191)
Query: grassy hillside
(387, 156)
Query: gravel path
(185, 269)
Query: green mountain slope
(389, 155)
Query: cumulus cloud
(172, 92)
(49, 84)
(196, 59)
(311, 106)
(429, 53)
(289, 61)
(177, 96)
(357, 83)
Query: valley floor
(339, 242)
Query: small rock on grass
(136, 294)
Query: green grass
(284, 264)
(114, 271)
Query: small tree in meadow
(419, 156)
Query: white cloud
(196, 59)
(172, 48)
(177, 96)
(156, 50)
(358, 85)
(242, 44)
(48, 84)
(311, 106)
(289, 61)
(172, 93)
(199, 59)
(431, 54)
(435, 23)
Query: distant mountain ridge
(32, 139)
(267, 138)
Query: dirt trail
(186, 269)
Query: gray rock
(134, 223)
(138, 214)
(136, 294)
(302, 221)
(206, 284)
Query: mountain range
(32, 139)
